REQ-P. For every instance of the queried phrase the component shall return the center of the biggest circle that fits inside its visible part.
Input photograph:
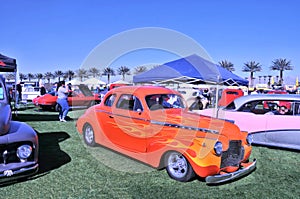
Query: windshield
(2, 91)
(164, 101)
(230, 106)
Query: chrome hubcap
(177, 165)
(89, 134)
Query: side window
(110, 100)
(296, 109)
(257, 107)
(129, 102)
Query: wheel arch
(163, 159)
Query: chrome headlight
(24, 151)
(249, 139)
(218, 148)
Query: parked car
(18, 143)
(153, 125)
(80, 97)
(292, 89)
(193, 96)
(252, 113)
(229, 94)
(29, 93)
(276, 92)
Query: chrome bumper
(230, 176)
(15, 174)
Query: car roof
(247, 98)
(146, 90)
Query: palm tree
(22, 76)
(69, 74)
(251, 67)
(123, 70)
(58, 74)
(82, 73)
(48, 76)
(30, 76)
(281, 65)
(227, 65)
(109, 72)
(38, 76)
(95, 72)
(140, 69)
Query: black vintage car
(18, 143)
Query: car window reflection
(129, 102)
(164, 101)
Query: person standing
(62, 100)
(42, 90)
(18, 94)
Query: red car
(228, 95)
(277, 92)
(80, 97)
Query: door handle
(111, 116)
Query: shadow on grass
(50, 155)
(37, 117)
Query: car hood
(5, 118)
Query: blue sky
(45, 36)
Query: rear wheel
(178, 167)
(89, 135)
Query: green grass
(69, 169)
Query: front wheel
(179, 168)
(89, 135)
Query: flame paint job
(148, 135)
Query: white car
(190, 95)
(256, 114)
(30, 93)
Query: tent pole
(217, 97)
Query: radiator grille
(233, 155)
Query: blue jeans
(64, 108)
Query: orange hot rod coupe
(153, 125)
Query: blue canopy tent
(192, 69)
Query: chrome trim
(165, 124)
(32, 168)
(184, 127)
(216, 179)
